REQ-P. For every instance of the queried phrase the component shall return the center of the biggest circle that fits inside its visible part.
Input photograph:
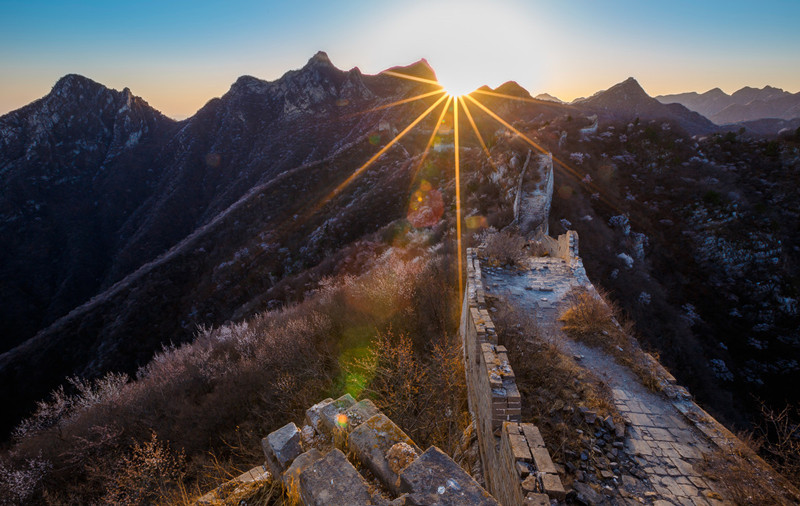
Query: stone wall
(506, 449)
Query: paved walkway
(666, 447)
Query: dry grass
(596, 321)
(552, 384)
(743, 482)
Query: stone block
(436, 474)
(536, 500)
(333, 480)
(553, 487)
(281, 447)
(533, 435)
(329, 415)
(530, 484)
(542, 461)
(519, 447)
(585, 494)
(359, 413)
(292, 475)
(373, 440)
(314, 415)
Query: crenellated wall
(506, 446)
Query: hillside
(215, 235)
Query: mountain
(167, 226)
(746, 104)
(74, 168)
(627, 100)
(548, 98)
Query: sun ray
(566, 167)
(377, 155)
(477, 132)
(398, 102)
(412, 78)
(505, 95)
(432, 137)
(458, 196)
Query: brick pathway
(664, 444)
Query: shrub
(147, 474)
(424, 393)
(504, 248)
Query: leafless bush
(504, 248)
(425, 394)
(19, 483)
(214, 398)
(779, 436)
(147, 474)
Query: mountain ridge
(745, 104)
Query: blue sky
(179, 54)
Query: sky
(179, 54)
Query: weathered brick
(519, 447)
(553, 487)
(541, 458)
(533, 435)
(436, 473)
(333, 480)
(372, 440)
(281, 447)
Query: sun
(457, 81)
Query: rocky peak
(320, 58)
(513, 88)
(420, 68)
(74, 83)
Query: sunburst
(460, 101)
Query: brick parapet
(496, 404)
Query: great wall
(349, 453)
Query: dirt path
(665, 445)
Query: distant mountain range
(627, 99)
(747, 104)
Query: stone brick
(536, 500)
(360, 412)
(533, 435)
(371, 441)
(519, 447)
(292, 475)
(553, 487)
(436, 473)
(530, 484)
(314, 416)
(329, 414)
(333, 480)
(281, 447)
(542, 461)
